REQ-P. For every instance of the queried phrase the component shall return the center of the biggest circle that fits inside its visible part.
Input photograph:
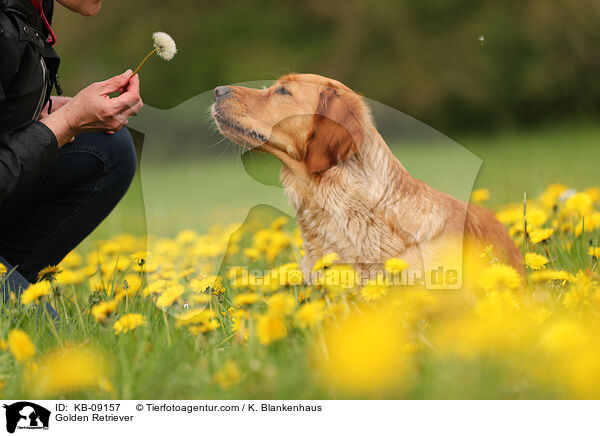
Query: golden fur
(351, 194)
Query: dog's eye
(283, 91)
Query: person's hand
(92, 109)
(57, 103)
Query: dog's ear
(336, 131)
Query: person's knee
(120, 150)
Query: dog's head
(305, 120)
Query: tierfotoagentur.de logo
(24, 415)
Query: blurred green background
(539, 63)
(515, 82)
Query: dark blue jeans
(46, 220)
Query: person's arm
(83, 7)
(26, 152)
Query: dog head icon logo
(26, 415)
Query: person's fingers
(128, 108)
(115, 83)
(133, 109)
(131, 93)
(130, 102)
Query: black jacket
(28, 67)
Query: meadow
(181, 317)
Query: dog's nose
(222, 91)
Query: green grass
(159, 362)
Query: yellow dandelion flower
(228, 376)
(580, 290)
(395, 265)
(187, 237)
(297, 239)
(70, 277)
(500, 278)
(488, 252)
(204, 327)
(2, 269)
(593, 193)
(374, 290)
(128, 322)
(252, 254)
(326, 261)
(72, 260)
(536, 216)
(170, 295)
(200, 299)
(195, 316)
(131, 284)
(510, 215)
(109, 248)
(550, 275)
(279, 241)
(535, 261)
(104, 309)
(337, 279)
(20, 345)
(118, 264)
(48, 273)
(278, 223)
(479, 196)
(156, 287)
(261, 239)
(549, 197)
(539, 235)
(205, 284)
(246, 299)
(281, 304)
(310, 314)
(367, 355)
(34, 292)
(594, 251)
(270, 328)
(68, 370)
(579, 203)
(141, 257)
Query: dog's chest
(354, 230)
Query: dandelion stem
(52, 326)
(148, 56)
(167, 327)
(62, 302)
(79, 314)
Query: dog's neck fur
(345, 210)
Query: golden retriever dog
(353, 197)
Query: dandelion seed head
(164, 45)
